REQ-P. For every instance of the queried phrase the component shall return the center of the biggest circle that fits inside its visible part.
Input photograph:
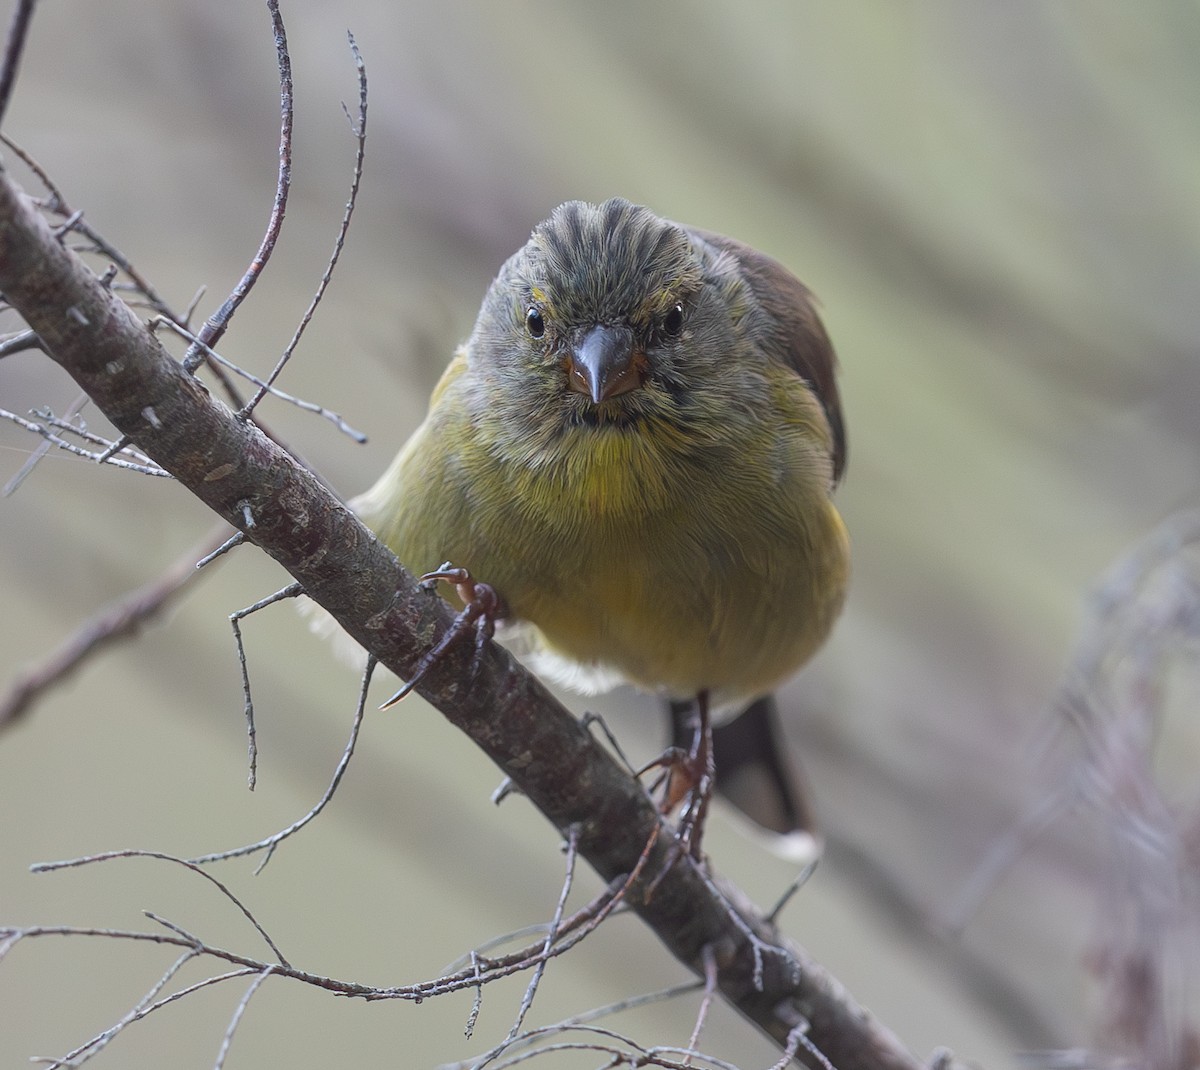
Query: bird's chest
(624, 560)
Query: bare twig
(97, 1043)
(360, 132)
(105, 456)
(227, 1039)
(108, 856)
(14, 46)
(629, 1003)
(709, 962)
(57, 204)
(45, 446)
(216, 324)
(798, 882)
(269, 844)
(798, 1038)
(232, 543)
(264, 386)
(71, 424)
(481, 971)
(19, 342)
(552, 932)
(292, 590)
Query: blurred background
(997, 206)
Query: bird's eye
(534, 323)
(672, 322)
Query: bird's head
(605, 318)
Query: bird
(632, 460)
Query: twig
(14, 46)
(190, 864)
(69, 425)
(271, 842)
(477, 1002)
(292, 590)
(798, 882)
(629, 1003)
(19, 342)
(145, 1011)
(57, 205)
(481, 972)
(45, 446)
(798, 1038)
(360, 133)
(239, 1010)
(235, 540)
(101, 1040)
(264, 386)
(710, 987)
(104, 456)
(216, 324)
(57, 202)
(551, 932)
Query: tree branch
(262, 490)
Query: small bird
(635, 452)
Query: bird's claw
(482, 607)
(688, 777)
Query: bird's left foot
(482, 607)
(690, 777)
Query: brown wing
(799, 338)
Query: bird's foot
(482, 607)
(689, 777)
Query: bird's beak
(604, 363)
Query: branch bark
(255, 485)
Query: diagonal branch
(256, 486)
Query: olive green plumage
(659, 512)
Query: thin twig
(216, 324)
(360, 133)
(798, 882)
(759, 946)
(215, 358)
(103, 457)
(19, 342)
(45, 446)
(190, 864)
(177, 936)
(235, 540)
(70, 425)
(57, 202)
(145, 1012)
(57, 205)
(643, 999)
(239, 1010)
(14, 46)
(477, 1002)
(292, 590)
(709, 961)
(551, 931)
(271, 842)
(101, 1040)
